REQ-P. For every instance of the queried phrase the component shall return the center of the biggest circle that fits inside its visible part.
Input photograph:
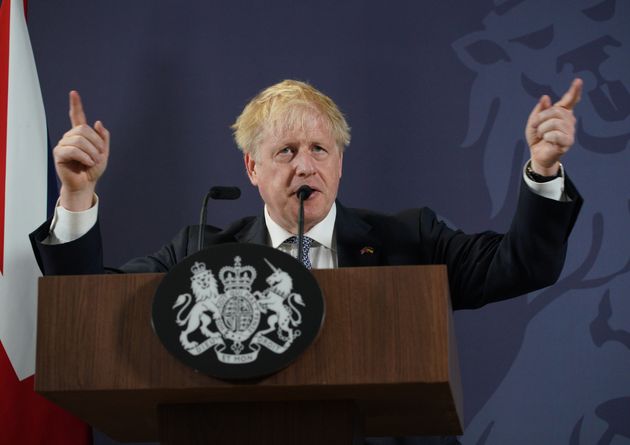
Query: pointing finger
(572, 96)
(77, 115)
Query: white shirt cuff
(68, 226)
(553, 189)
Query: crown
(237, 277)
(198, 268)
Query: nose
(304, 164)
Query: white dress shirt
(323, 251)
(68, 226)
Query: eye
(537, 39)
(285, 151)
(319, 151)
(284, 154)
(601, 12)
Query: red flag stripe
(30, 419)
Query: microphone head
(304, 192)
(221, 192)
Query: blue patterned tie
(306, 246)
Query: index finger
(77, 115)
(571, 97)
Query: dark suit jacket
(482, 268)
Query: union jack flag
(25, 417)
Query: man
(293, 135)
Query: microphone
(303, 193)
(220, 192)
(217, 192)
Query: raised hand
(550, 130)
(80, 158)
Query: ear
(250, 166)
(340, 163)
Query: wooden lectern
(384, 364)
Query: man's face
(290, 158)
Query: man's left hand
(550, 130)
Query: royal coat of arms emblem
(237, 317)
(230, 320)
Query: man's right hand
(80, 158)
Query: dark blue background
(437, 95)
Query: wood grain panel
(386, 343)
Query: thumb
(102, 132)
(543, 103)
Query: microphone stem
(202, 221)
(217, 192)
(300, 228)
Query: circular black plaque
(238, 311)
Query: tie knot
(306, 246)
(294, 240)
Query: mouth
(314, 191)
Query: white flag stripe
(25, 206)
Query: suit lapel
(254, 232)
(356, 244)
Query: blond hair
(286, 105)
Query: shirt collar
(322, 232)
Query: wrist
(551, 174)
(552, 170)
(76, 201)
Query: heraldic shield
(237, 311)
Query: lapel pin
(367, 249)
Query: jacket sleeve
(488, 267)
(85, 254)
